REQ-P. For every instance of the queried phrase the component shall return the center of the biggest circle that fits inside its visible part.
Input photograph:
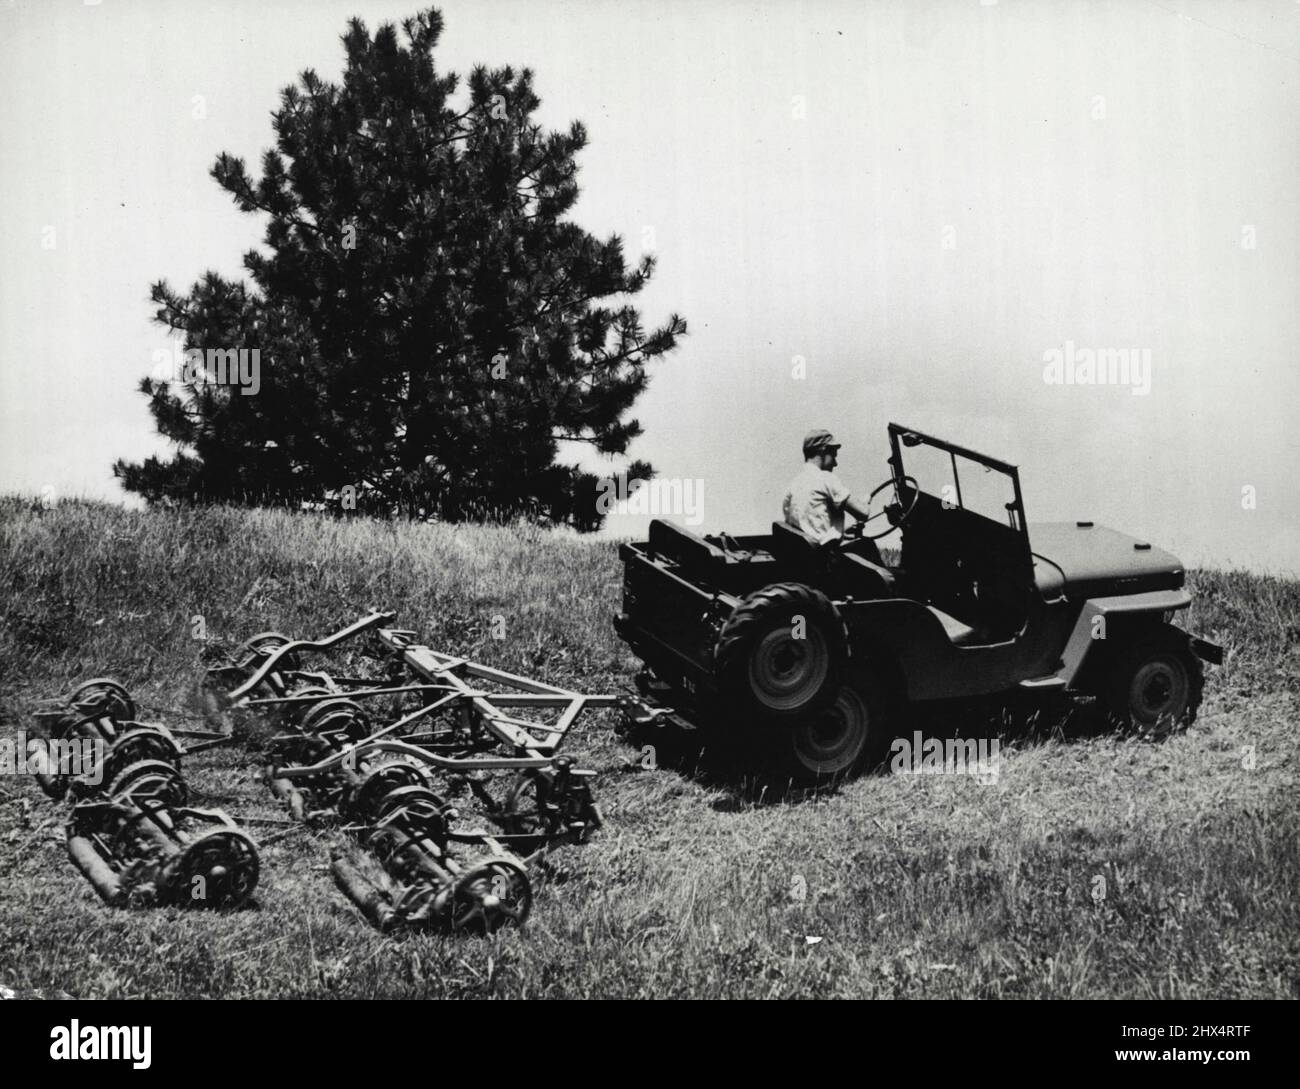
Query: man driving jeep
(816, 500)
(815, 504)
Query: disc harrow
(400, 755)
(445, 775)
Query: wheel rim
(785, 672)
(832, 742)
(337, 715)
(338, 727)
(261, 645)
(1158, 693)
(490, 896)
(227, 862)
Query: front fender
(1155, 603)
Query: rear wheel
(252, 654)
(782, 653)
(140, 744)
(852, 734)
(1154, 684)
(298, 711)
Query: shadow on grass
(734, 763)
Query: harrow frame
(531, 743)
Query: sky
(866, 211)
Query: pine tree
(429, 323)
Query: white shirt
(814, 503)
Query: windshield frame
(900, 436)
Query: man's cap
(817, 440)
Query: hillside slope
(701, 884)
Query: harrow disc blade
(155, 781)
(416, 807)
(363, 803)
(138, 745)
(104, 696)
(296, 712)
(338, 715)
(253, 649)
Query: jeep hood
(1083, 560)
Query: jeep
(814, 649)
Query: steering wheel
(896, 520)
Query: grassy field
(702, 883)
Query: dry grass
(915, 886)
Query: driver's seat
(864, 547)
(840, 571)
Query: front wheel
(1154, 684)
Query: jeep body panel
(1095, 561)
(666, 617)
(931, 666)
